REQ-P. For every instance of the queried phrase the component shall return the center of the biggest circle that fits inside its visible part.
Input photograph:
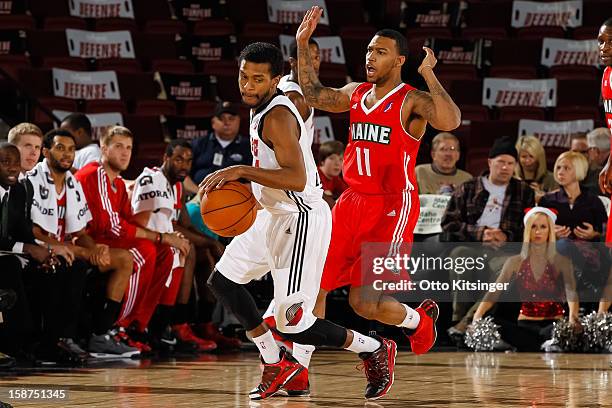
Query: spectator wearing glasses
(442, 176)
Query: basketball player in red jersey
(387, 120)
(605, 54)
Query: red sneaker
(208, 331)
(184, 333)
(298, 386)
(424, 336)
(379, 367)
(280, 340)
(122, 336)
(276, 375)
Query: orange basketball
(230, 210)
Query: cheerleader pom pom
(598, 331)
(566, 338)
(482, 335)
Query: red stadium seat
(52, 103)
(135, 86)
(103, 106)
(521, 112)
(146, 10)
(574, 72)
(255, 11)
(60, 23)
(119, 65)
(513, 52)
(572, 92)
(36, 81)
(72, 63)
(480, 14)
(199, 108)
(483, 133)
(11, 64)
(146, 129)
(175, 66)
(562, 113)
(489, 33)
(155, 107)
(474, 112)
(47, 43)
(345, 12)
(165, 26)
(334, 75)
(155, 46)
(226, 76)
(213, 28)
(116, 24)
(467, 92)
(585, 33)
(477, 160)
(16, 22)
(537, 33)
(48, 8)
(516, 72)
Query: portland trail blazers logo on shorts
(294, 314)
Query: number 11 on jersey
(366, 161)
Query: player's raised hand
(308, 25)
(429, 61)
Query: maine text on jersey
(370, 132)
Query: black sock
(161, 319)
(181, 313)
(206, 310)
(107, 316)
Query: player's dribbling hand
(429, 61)
(220, 177)
(308, 25)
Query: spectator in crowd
(487, 209)
(580, 221)
(331, 155)
(579, 144)
(28, 139)
(60, 216)
(87, 150)
(157, 203)
(598, 150)
(442, 176)
(222, 148)
(543, 281)
(531, 166)
(109, 204)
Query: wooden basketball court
(434, 380)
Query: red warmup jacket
(111, 209)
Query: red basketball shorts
(380, 225)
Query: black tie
(4, 215)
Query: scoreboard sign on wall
(100, 45)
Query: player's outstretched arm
(435, 106)
(317, 95)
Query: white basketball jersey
(281, 201)
(286, 85)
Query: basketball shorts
(382, 225)
(293, 247)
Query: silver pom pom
(482, 335)
(598, 331)
(567, 338)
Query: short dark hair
(77, 121)
(174, 143)
(8, 146)
(261, 53)
(400, 40)
(608, 22)
(328, 148)
(50, 135)
(293, 47)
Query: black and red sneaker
(122, 336)
(424, 336)
(379, 367)
(276, 375)
(298, 386)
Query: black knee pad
(321, 333)
(236, 298)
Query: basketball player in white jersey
(299, 386)
(289, 237)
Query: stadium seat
(48, 8)
(36, 81)
(146, 128)
(119, 65)
(345, 12)
(60, 23)
(521, 112)
(213, 28)
(513, 52)
(135, 86)
(467, 92)
(155, 107)
(42, 43)
(483, 133)
(226, 76)
(104, 105)
(199, 108)
(72, 63)
(562, 113)
(489, 33)
(11, 64)
(585, 33)
(334, 75)
(537, 33)
(516, 72)
(165, 26)
(474, 112)
(52, 103)
(477, 159)
(116, 24)
(256, 11)
(146, 10)
(155, 46)
(578, 92)
(574, 72)
(16, 22)
(479, 14)
(175, 66)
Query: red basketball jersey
(606, 94)
(381, 155)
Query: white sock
(363, 344)
(302, 353)
(270, 352)
(412, 319)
